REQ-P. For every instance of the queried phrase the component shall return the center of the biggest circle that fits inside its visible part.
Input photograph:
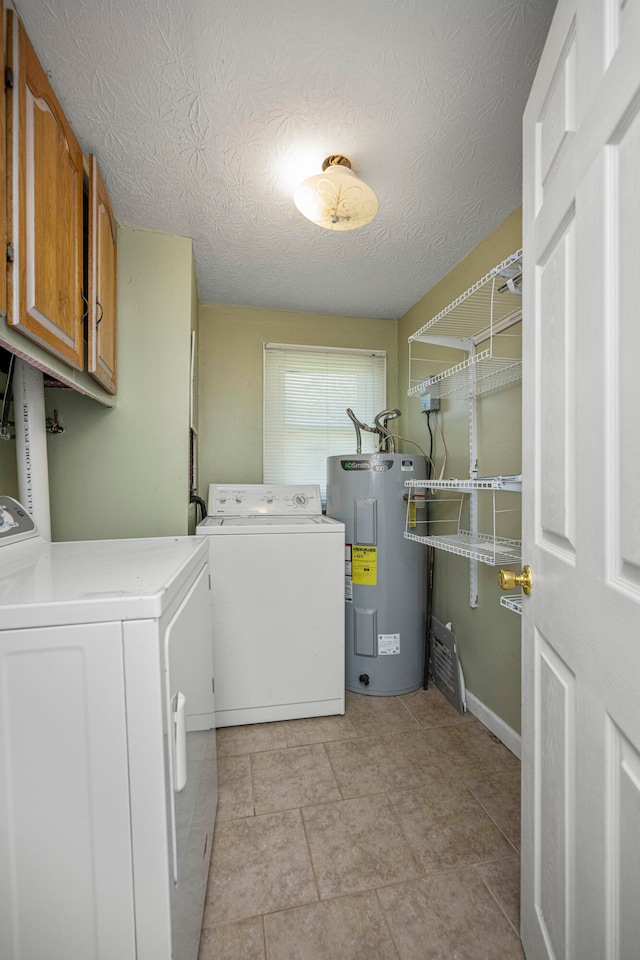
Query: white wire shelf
(512, 483)
(487, 303)
(443, 525)
(478, 318)
(480, 373)
(512, 601)
(478, 546)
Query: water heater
(385, 575)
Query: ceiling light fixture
(336, 199)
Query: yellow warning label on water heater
(364, 565)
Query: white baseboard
(493, 722)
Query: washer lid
(217, 526)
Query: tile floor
(391, 833)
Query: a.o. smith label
(377, 466)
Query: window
(306, 394)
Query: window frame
(281, 349)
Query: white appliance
(277, 573)
(107, 749)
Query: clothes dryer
(107, 748)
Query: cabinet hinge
(10, 253)
(8, 78)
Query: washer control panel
(262, 499)
(15, 523)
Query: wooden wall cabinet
(61, 278)
(47, 238)
(101, 297)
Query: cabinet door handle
(98, 304)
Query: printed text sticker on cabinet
(101, 321)
(45, 300)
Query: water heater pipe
(31, 444)
(386, 415)
(358, 427)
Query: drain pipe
(31, 444)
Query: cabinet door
(101, 322)
(46, 279)
(66, 878)
(3, 170)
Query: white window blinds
(306, 394)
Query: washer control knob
(300, 499)
(239, 499)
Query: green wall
(123, 472)
(231, 339)
(8, 467)
(489, 635)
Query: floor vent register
(444, 664)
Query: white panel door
(581, 625)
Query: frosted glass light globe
(336, 199)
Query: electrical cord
(199, 503)
(406, 440)
(444, 446)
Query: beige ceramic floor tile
(449, 916)
(368, 765)
(499, 794)
(243, 940)
(375, 716)
(461, 750)
(432, 709)
(258, 865)
(235, 793)
(318, 730)
(357, 845)
(483, 744)
(295, 777)
(433, 760)
(503, 880)
(447, 827)
(349, 928)
(251, 738)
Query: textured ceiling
(204, 115)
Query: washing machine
(107, 745)
(277, 588)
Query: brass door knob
(509, 580)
